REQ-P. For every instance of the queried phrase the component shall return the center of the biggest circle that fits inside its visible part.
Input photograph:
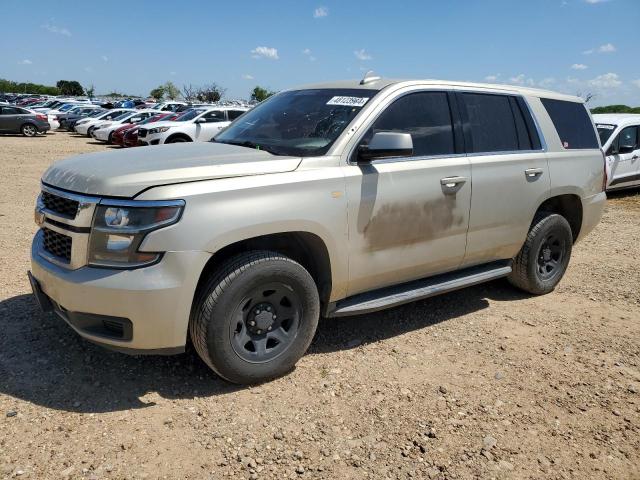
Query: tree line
(208, 93)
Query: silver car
(333, 199)
(21, 120)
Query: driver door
(624, 165)
(406, 221)
(214, 121)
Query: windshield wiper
(255, 146)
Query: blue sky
(575, 46)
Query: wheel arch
(568, 205)
(306, 248)
(178, 135)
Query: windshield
(299, 122)
(189, 115)
(123, 116)
(605, 131)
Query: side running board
(417, 290)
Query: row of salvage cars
(133, 127)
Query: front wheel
(29, 130)
(255, 317)
(544, 257)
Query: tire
(110, 139)
(177, 140)
(29, 130)
(89, 130)
(255, 317)
(545, 255)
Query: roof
(617, 118)
(381, 83)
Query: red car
(131, 135)
(118, 137)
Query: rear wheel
(255, 317)
(544, 257)
(110, 139)
(29, 130)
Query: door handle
(533, 172)
(452, 182)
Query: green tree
(616, 109)
(210, 93)
(171, 91)
(259, 94)
(15, 87)
(157, 93)
(90, 91)
(70, 87)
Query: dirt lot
(482, 383)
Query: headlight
(120, 227)
(157, 130)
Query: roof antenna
(369, 77)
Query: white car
(620, 139)
(103, 131)
(195, 125)
(86, 125)
(169, 106)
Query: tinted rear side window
(572, 123)
(424, 115)
(491, 123)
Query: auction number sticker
(606, 127)
(348, 101)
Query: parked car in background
(71, 123)
(68, 119)
(170, 106)
(620, 139)
(119, 136)
(21, 120)
(195, 125)
(86, 125)
(103, 132)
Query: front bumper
(149, 306)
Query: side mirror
(201, 120)
(386, 145)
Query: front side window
(628, 139)
(572, 123)
(188, 115)
(298, 122)
(10, 111)
(426, 116)
(605, 131)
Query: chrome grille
(57, 244)
(62, 206)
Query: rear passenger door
(510, 173)
(11, 119)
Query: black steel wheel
(255, 317)
(544, 257)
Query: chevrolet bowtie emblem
(39, 216)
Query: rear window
(572, 123)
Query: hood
(125, 173)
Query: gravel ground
(481, 383)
